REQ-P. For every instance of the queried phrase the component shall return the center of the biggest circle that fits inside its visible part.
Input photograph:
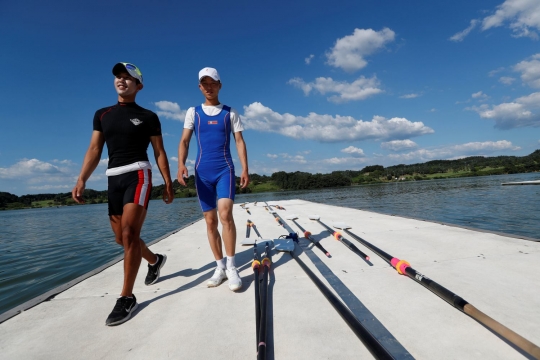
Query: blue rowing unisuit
(214, 169)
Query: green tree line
(436, 169)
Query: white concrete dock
(180, 318)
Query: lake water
(41, 249)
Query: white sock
(230, 262)
(156, 261)
(221, 263)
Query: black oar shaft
(248, 228)
(344, 241)
(255, 229)
(374, 347)
(255, 265)
(265, 266)
(307, 235)
(454, 300)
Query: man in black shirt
(128, 129)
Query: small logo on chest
(212, 122)
(136, 121)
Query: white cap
(207, 71)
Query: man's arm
(91, 161)
(183, 149)
(163, 165)
(242, 154)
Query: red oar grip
(337, 235)
(307, 234)
(255, 264)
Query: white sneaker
(235, 283)
(218, 277)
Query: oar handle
(502, 330)
(458, 302)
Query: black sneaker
(153, 270)
(122, 310)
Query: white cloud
(287, 158)
(170, 110)
(409, 96)
(360, 89)
(353, 151)
(104, 162)
(530, 70)
(506, 80)
(523, 17)
(495, 72)
(350, 51)
(42, 175)
(309, 58)
(480, 96)
(51, 187)
(398, 145)
(462, 34)
(28, 168)
(518, 113)
(454, 151)
(328, 128)
(345, 163)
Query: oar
(255, 265)
(340, 238)
(276, 216)
(307, 235)
(256, 231)
(248, 228)
(265, 265)
(371, 343)
(247, 240)
(269, 206)
(404, 268)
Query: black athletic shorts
(132, 187)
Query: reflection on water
(44, 248)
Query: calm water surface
(44, 248)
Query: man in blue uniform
(213, 124)
(128, 129)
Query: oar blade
(340, 225)
(314, 217)
(292, 217)
(284, 245)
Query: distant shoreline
(264, 188)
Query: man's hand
(168, 194)
(77, 192)
(244, 179)
(182, 174)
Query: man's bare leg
(212, 232)
(132, 221)
(225, 207)
(116, 224)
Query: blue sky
(333, 85)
